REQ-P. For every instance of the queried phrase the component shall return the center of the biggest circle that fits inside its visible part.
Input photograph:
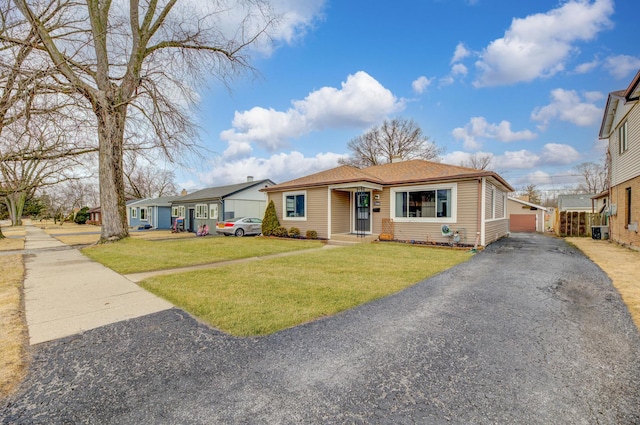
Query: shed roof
(575, 202)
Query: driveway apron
(529, 331)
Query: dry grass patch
(133, 255)
(13, 330)
(263, 297)
(621, 264)
(11, 244)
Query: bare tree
(595, 177)
(479, 161)
(531, 193)
(398, 137)
(143, 180)
(141, 64)
(38, 133)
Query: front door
(362, 222)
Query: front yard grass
(260, 298)
(13, 330)
(133, 255)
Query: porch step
(345, 239)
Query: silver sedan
(240, 226)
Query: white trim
(483, 215)
(134, 212)
(284, 205)
(329, 192)
(355, 185)
(213, 211)
(454, 203)
(175, 211)
(199, 210)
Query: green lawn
(259, 298)
(136, 255)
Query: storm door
(362, 222)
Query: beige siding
(495, 230)
(340, 212)
(385, 205)
(316, 213)
(626, 166)
(466, 224)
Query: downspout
(479, 215)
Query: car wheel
(239, 233)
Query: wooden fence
(574, 223)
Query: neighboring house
(151, 212)
(525, 216)
(207, 206)
(575, 203)
(413, 200)
(95, 216)
(621, 125)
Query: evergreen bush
(312, 234)
(270, 221)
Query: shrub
(294, 232)
(270, 221)
(82, 216)
(280, 232)
(312, 234)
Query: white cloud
(539, 45)
(566, 105)
(622, 66)
(459, 69)
(279, 168)
(360, 102)
(522, 159)
(479, 128)
(421, 84)
(558, 154)
(460, 157)
(460, 53)
(296, 17)
(583, 68)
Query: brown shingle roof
(412, 171)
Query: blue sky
(523, 80)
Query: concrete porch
(351, 238)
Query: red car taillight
(228, 224)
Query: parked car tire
(239, 233)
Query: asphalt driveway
(529, 331)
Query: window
(424, 203)
(628, 206)
(175, 211)
(295, 206)
(201, 210)
(143, 214)
(213, 211)
(181, 211)
(134, 213)
(622, 137)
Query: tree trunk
(15, 205)
(111, 121)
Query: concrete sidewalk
(66, 293)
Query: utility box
(600, 232)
